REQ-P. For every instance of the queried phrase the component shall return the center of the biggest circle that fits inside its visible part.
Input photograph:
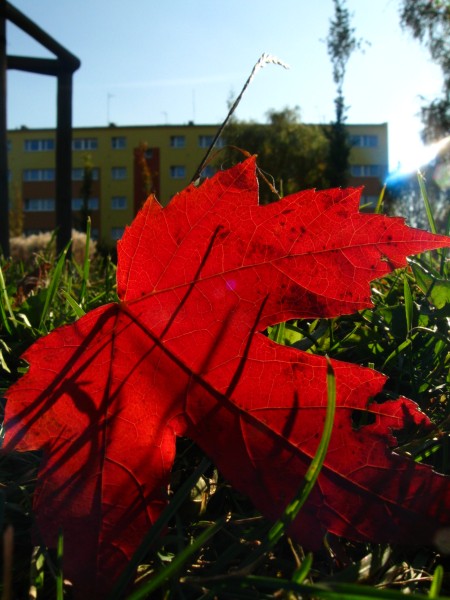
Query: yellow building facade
(369, 159)
(127, 163)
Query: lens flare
(438, 153)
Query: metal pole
(62, 67)
(4, 183)
(28, 26)
(64, 160)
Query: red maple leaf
(183, 354)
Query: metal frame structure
(62, 67)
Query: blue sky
(173, 61)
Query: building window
(119, 142)
(208, 171)
(365, 170)
(78, 174)
(205, 141)
(84, 144)
(118, 202)
(39, 145)
(364, 141)
(9, 145)
(178, 171)
(93, 203)
(119, 172)
(39, 175)
(78, 203)
(39, 205)
(177, 141)
(117, 233)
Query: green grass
(210, 542)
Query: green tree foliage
(290, 153)
(341, 43)
(86, 192)
(429, 22)
(338, 155)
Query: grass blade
(6, 312)
(426, 202)
(302, 572)
(436, 584)
(86, 263)
(408, 304)
(332, 590)
(171, 509)
(292, 510)
(79, 312)
(53, 286)
(59, 568)
(311, 475)
(277, 332)
(263, 60)
(379, 206)
(396, 352)
(177, 563)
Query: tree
(429, 22)
(16, 213)
(144, 171)
(338, 156)
(341, 43)
(290, 153)
(86, 191)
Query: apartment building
(369, 159)
(127, 163)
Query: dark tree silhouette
(429, 22)
(341, 43)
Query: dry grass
(26, 248)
